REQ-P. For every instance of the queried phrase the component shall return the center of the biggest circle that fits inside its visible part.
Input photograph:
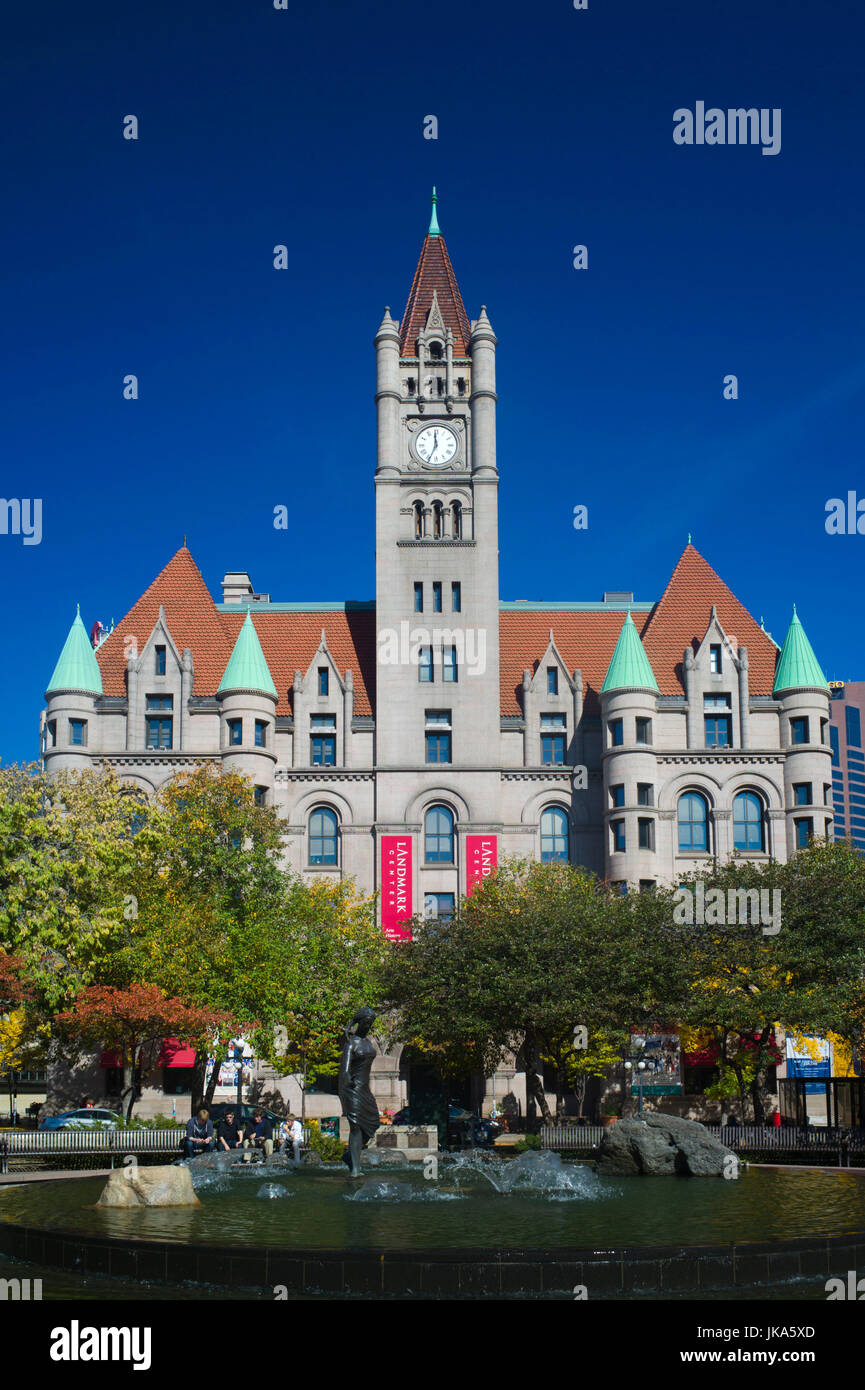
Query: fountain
(463, 1225)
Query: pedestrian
(260, 1134)
(199, 1134)
(229, 1134)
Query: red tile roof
(192, 620)
(289, 640)
(680, 619)
(585, 639)
(434, 273)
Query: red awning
(175, 1054)
(110, 1059)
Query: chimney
(237, 587)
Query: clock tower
(437, 614)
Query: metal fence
(22, 1149)
(844, 1147)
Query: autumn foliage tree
(133, 1023)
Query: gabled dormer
(159, 683)
(322, 706)
(715, 676)
(552, 709)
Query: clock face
(436, 445)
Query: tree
(535, 951)
(133, 1023)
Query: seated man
(199, 1134)
(291, 1132)
(229, 1134)
(260, 1134)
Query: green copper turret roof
(797, 667)
(77, 668)
(629, 667)
(434, 228)
(247, 668)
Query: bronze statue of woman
(356, 1098)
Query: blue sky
(305, 127)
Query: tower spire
(434, 228)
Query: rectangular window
(799, 730)
(553, 739)
(438, 907)
(715, 660)
(457, 597)
(824, 724)
(323, 750)
(159, 702)
(159, 661)
(553, 750)
(647, 885)
(645, 794)
(323, 721)
(78, 732)
(646, 829)
(617, 795)
(618, 830)
(552, 680)
(804, 832)
(425, 665)
(801, 793)
(827, 793)
(235, 731)
(716, 703)
(438, 736)
(644, 731)
(51, 734)
(260, 794)
(437, 596)
(836, 752)
(418, 598)
(718, 731)
(323, 680)
(159, 732)
(616, 731)
(449, 664)
(260, 733)
(854, 727)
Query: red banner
(482, 858)
(396, 886)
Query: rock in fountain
(164, 1186)
(661, 1144)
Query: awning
(110, 1059)
(176, 1054)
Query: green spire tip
(434, 228)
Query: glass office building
(847, 716)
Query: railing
(844, 1147)
(86, 1141)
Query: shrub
(330, 1149)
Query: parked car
(87, 1118)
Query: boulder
(162, 1186)
(661, 1144)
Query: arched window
(748, 821)
(323, 836)
(417, 509)
(457, 510)
(554, 834)
(437, 520)
(693, 816)
(438, 826)
(435, 352)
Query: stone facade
(531, 754)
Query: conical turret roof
(77, 668)
(247, 668)
(629, 666)
(434, 276)
(797, 667)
